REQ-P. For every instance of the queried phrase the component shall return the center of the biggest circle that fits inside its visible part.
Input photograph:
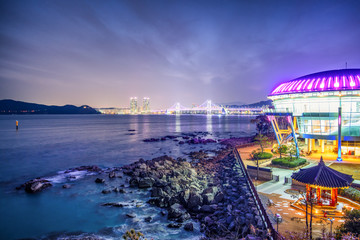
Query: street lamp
(331, 223)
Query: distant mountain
(252, 105)
(8, 106)
(231, 103)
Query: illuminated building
(146, 105)
(323, 108)
(133, 105)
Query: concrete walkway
(280, 186)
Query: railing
(274, 234)
(276, 110)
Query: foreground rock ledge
(214, 192)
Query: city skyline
(89, 52)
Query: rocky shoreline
(214, 192)
(211, 190)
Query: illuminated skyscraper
(146, 105)
(133, 105)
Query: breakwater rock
(35, 185)
(213, 191)
(41, 183)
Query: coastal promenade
(282, 196)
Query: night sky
(101, 53)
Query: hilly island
(8, 106)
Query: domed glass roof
(335, 80)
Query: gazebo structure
(322, 183)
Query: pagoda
(323, 183)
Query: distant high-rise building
(133, 105)
(146, 105)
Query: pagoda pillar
(308, 189)
(334, 193)
(318, 194)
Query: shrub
(133, 235)
(288, 162)
(262, 155)
(351, 193)
(351, 224)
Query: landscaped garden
(348, 168)
(351, 193)
(289, 162)
(262, 155)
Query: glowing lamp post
(278, 220)
(331, 223)
(339, 159)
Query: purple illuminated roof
(335, 80)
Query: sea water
(46, 145)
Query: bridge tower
(208, 106)
(177, 108)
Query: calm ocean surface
(45, 145)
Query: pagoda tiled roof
(323, 176)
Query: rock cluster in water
(189, 138)
(39, 184)
(214, 192)
(35, 185)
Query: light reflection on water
(209, 123)
(178, 124)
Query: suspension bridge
(208, 107)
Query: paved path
(280, 186)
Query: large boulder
(214, 190)
(160, 183)
(146, 182)
(208, 208)
(114, 204)
(219, 197)
(37, 185)
(177, 212)
(189, 227)
(131, 215)
(134, 182)
(112, 174)
(184, 197)
(99, 180)
(208, 198)
(175, 186)
(195, 201)
(158, 192)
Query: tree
(255, 156)
(263, 125)
(309, 202)
(292, 150)
(262, 140)
(282, 149)
(351, 224)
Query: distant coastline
(9, 107)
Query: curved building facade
(325, 107)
